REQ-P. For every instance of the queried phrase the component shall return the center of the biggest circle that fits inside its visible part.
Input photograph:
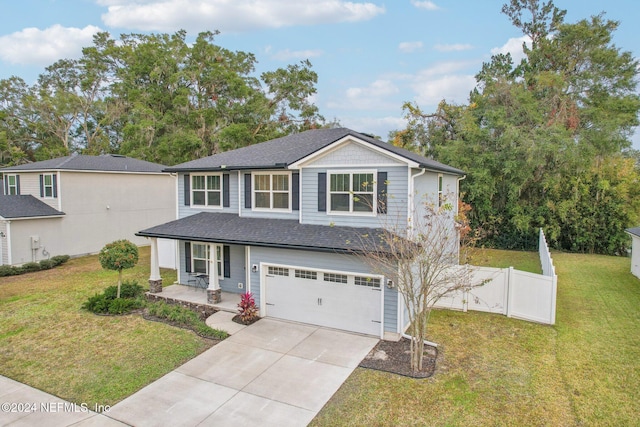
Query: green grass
(502, 372)
(49, 342)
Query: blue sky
(370, 55)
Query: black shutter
(382, 192)
(225, 191)
(247, 190)
(187, 190)
(322, 192)
(17, 184)
(6, 185)
(187, 257)
(295, 191)
(41, 185)
(226, 256)
(54, 180)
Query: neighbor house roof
(282, 152)
(25, 206)
(635, 231)
(281, 233)
(104, 163)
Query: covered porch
(198, 296)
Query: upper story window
(352, 192)
(48, 185)
(206, 190)
(271, 191)
(440, 190)
(12, 184)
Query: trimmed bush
(9, 270)
(60, 259)
(30, 267)
(108, 303)
(46, 264)
(185, 318)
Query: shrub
(185, 318)
(107, 301)
(9, 270)
(247, 309)
(59, 259)
(46, 264)
(30, 267)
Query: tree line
(545, 142)
(154, 97)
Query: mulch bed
(395, 357)
(238, 319)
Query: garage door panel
(316, 301)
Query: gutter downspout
(9, 249)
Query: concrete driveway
(271, 373)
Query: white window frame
(271, 191)
(194, 258)
(352, 193)
(219, 258)
(206, 190)
(13, 186)
(440, 190)
(49, 186)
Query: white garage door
(334, 299)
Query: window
(440, 193)
(306, 274)
(47, 185)
(351, 192)
(278, 271)
(367, 281)
(12, 184)
(336, 278)
(206, 190)
(271, 191)
(200, 258)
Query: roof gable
(635, 231)
(282, 152)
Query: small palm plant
(247, 309)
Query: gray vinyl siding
(320, 260)
(185, 211)
(397, 194)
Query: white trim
(240, 191)
(346, 139)
(44, 186)
(351, 172)
(35, 217)
(9, 251)
(59, 190)
(247, 269)
(6, 183)
(271, 191)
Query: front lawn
(47, 341)
(499, 371)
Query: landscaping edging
(204, 310)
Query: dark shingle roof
(25, 206)
(290, 234)
(105, 162)
(281, 152)
(635, 231)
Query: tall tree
(538, 134)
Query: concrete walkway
(271, 373)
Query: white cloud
(428, 5)
(452, 47)
(408, 47)
(232, 16)
(380, 126)
(514, 47)
(370, 97)
(286, 55)
(443, 81)
(34, 46)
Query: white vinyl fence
(512, 292)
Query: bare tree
(425, 261)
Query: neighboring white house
(635, 250)
(74, 205)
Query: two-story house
(280, 219)
(74, 205)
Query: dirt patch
(395, 357)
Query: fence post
(509, 291)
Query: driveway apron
(271, 373)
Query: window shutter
(247, 190)
(17, 184)
(187, 257)
(382, 192)
(41, 185)
(226, 256)
(322, 192)
(295, 191)
(225, 190)
(187, 190)
(6, 185)
(55, 185)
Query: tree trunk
(119, 282)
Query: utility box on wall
(35, 242)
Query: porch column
(155, 280)
(214, 293)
